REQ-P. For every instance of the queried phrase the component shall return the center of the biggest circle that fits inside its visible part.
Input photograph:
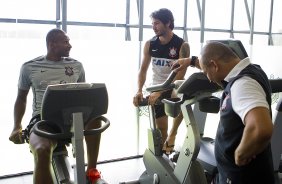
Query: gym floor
(113, 173)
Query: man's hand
(137, 98)
(154, 97)
(16, 136)
(240, 160)
(180, 64)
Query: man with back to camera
(54, 68)
(242, 144)
(164, 48)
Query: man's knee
(93, 123)
(41, 152)
(41, 146)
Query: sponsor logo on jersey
(162, 62)
(69, 71)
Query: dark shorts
(32, 122)
(35, 119)
(159, 109)
(29, 129)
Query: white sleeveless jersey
(163, 56)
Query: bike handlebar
(165, 85)
(66, 135)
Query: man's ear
(51, 45)
(215, 64)
(168, 24)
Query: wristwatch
(193, 61)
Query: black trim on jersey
(170, 50)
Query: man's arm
(142, 73)
(183, 53)
(256, 135)
(182, 64)
(19, 110)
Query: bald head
(58, 45)
(217, 51)
(53, 35)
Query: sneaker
(175, 156)
(93, 176)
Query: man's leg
(162, 124)
(170, 141)
(92, 144)
(42, 150)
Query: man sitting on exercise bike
(242, 145)
(54, 68)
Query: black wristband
(193, 61)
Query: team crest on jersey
(69, 71)
(172, 52)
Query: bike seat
(197, 84)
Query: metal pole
(78, 148)
(270, 40)
(203, 21)
(252, 23)
(127, 29)
(141, 16)
(185, 35)
(58, 14)
(232, 19)
(64, 15)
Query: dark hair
(52, 35)
(165, 16)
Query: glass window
(108, 59)
(90, 11)
(214, 17)
(244, 38)
(133, 17)
(277, 14)
(260, 39)
(28, 9)
(262, 16)
(176, 7)
(193, 17)
(240, 16)
(216, 36)
(19, 43)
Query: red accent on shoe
(93, 175)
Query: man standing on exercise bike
(242, 144)
(161, 51)
(54, 68)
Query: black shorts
(35, 119)
(159, 109)
(32, 122)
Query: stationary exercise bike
(187, 170)
(66, 108)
